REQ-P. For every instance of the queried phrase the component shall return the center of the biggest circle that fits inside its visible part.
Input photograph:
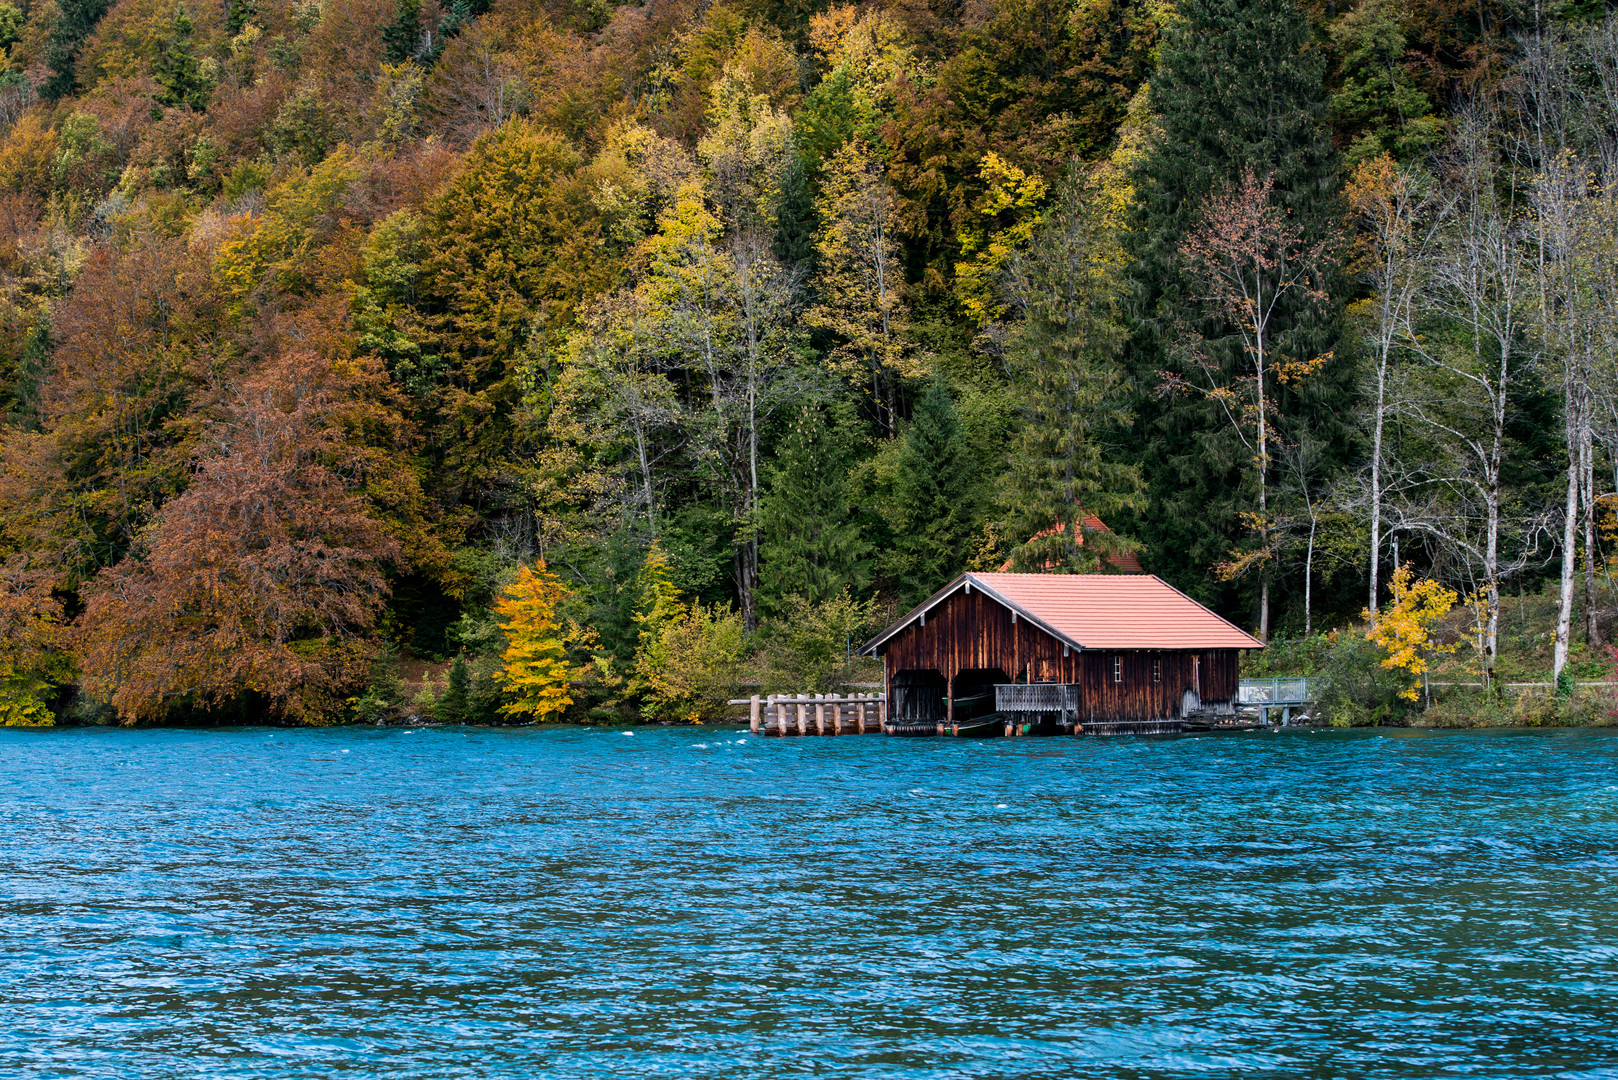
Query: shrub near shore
(1355, 689)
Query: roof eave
(869, 648)
(968, 579)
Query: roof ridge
(1105, 612)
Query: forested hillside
(624, 351)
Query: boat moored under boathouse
(1080, 653)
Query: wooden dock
(1039, 709)
(815, 714)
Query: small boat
(983, 727)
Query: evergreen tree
(934, 499)
(383, 697)
(177, 69)
(402, 36)
(74, 22)
(795, 213)
(238, 13)
(1067, 387)
(456, 703)
(1378, 106)
(811, 546)
(1239, 85)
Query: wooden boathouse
(1077, 652)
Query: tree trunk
(1592, 549)
(1309, 579)
(1263, 503)
(1570, 554)
(1491, 577)
(1376, 482)
(747, 581)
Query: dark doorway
(974, 692)
(918, 694)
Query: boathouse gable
(1152, 652)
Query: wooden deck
(785, 715)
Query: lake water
(700, 903)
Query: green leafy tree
(513, 246)
(811, 646)
(238, 13)
(75, 20)
(1377, 103)
(455, 703)
(688, 670)
(402, 37)
(861, 281)
(383, 698)
(658, 604)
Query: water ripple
(698, 903)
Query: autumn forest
(601, 357)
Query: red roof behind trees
(1098, 611)
(1125, 561)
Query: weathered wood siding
(971, 631)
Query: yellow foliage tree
(32, 658)
(659, 602)
(688, 669)
(1405, 628)
(1013, 196)
(687, 655)
(534, 669)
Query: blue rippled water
(699, 903)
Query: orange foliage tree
(261, 579)
(534, 669)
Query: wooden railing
(1035, 697)
(815, 714)
(1283, 691)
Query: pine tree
(811, 546)
(456, 703)
(177, 69)
(795, 214)
(534, 669)
(402, 36)
(238, 13)
(1067, 386)
(860, 279)
(74, 23)
(934, 497)
(1239, 85)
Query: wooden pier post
(803, 723)
(752, 715)
(820, 714)
(861, 707)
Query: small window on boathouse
(1117, 669)
(1157, 670)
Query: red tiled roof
(1117, 611)
(1126, 561)
(1099, 611)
